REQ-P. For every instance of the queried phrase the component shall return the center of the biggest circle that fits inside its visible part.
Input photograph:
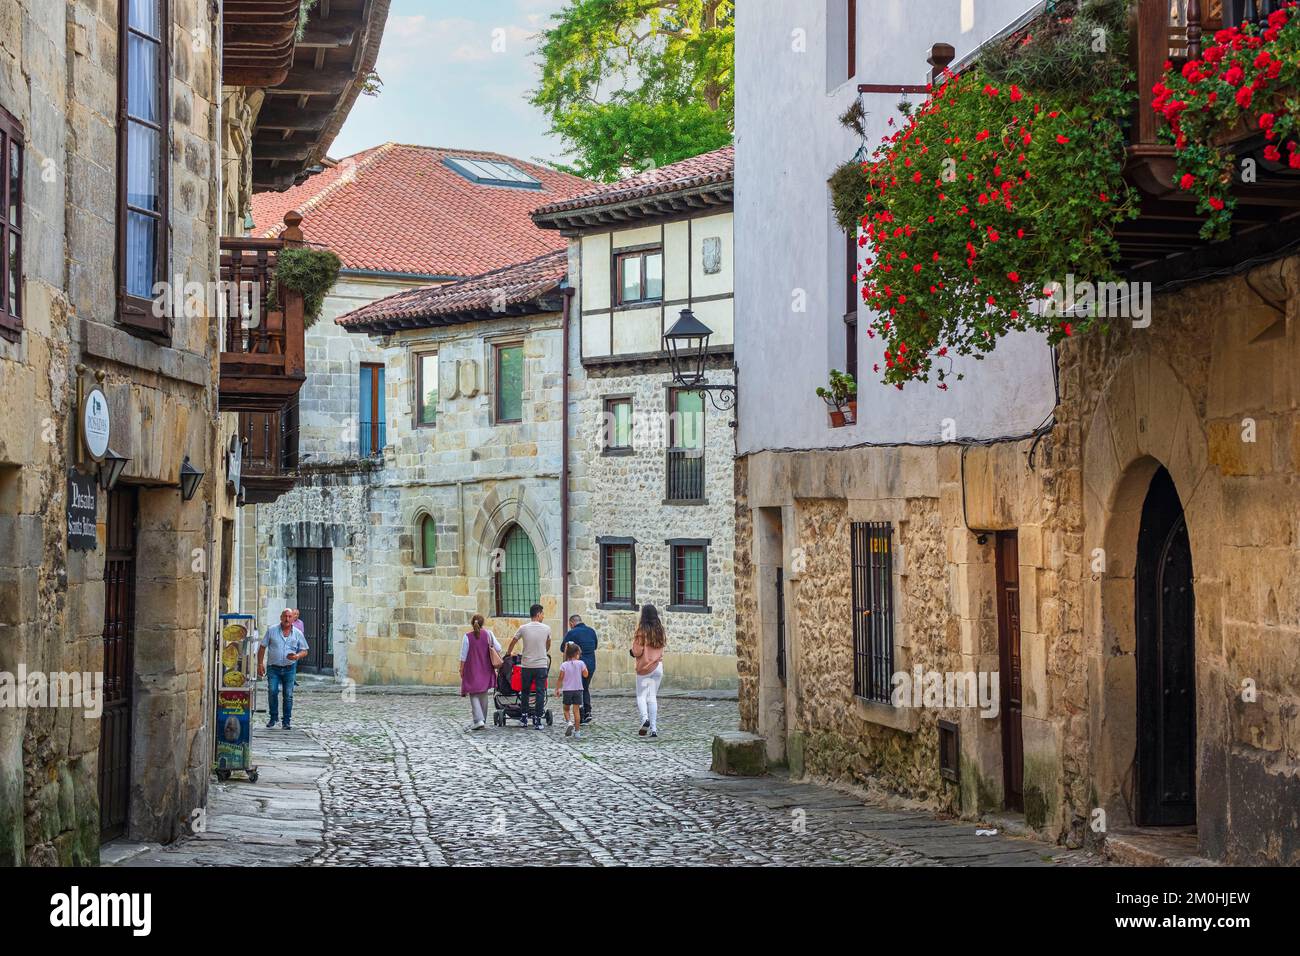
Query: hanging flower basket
(1244, 85)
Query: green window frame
(517, 584)
(617, 574)
(509, 364)
(426, 389)
(617, 431)
(428, 542)
(689, 575)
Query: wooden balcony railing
(269, 464)
(262, 349)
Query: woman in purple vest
(477, 676)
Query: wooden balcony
(258, 41)
(269, 465)
(1163, 242)
(262, 364)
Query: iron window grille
(685, 456)
(372, 437)
(517, 588)
(873, 609)
(690, 577)
(618, 574)
(11, 223)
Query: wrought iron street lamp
(190, 478)
(687, 345)
(111, 467)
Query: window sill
(638, 304)
(603, 606)
(688, 502)
(689, 608)
(904, 719)
(617, 452)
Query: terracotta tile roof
(516, 289)
(396, 208)
(707, 169)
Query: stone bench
(739, 754)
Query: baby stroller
(507, 699)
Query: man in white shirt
(533, 666)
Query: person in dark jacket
(585, 638)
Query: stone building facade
(1150, 516)
(121, 586)
(373, 616)
(651, 482)
(421, 536)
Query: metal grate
(949, 759)
(517, 588)
(686, 474)
(873, 609)
(690, 575)
(618, 574)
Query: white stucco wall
(789, 140)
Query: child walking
(572, 671)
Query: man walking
(288, 647)
(585, 638)
(536, 661)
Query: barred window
(618, 573)
(690, 575)
(873, 609)
(428, 543)
(517, 586)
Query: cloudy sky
(457, 74)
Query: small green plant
(850, 184)
(309, 272)
(843, 389)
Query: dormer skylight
(491, 172)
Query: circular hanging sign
(95, 423)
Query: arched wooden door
(1166, 661)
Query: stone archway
(1145, 420)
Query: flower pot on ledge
(845, 414)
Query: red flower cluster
(1241, 80)
(965, 201)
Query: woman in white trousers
(648, 652)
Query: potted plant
(841, 397)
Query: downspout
(564, 468)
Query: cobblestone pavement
(405, 784)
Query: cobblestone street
(400, 782)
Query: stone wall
(58, 76)
(396, 622)
(624, 496)
(1209, 392)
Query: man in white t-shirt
(535, 662)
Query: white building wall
(790, 253)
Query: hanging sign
(96, 423)
(83, 498)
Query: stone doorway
(1166, 663)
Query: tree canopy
(630, 84)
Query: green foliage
(629, 84)
(1080, 51)
(843, 389)
(304, 12)
(309, 272)
(986, 197)
(849, 187)
(1243, 87)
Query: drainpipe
(564, 470)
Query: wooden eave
(305, 107)
(710, 198)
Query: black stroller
(508, 695)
